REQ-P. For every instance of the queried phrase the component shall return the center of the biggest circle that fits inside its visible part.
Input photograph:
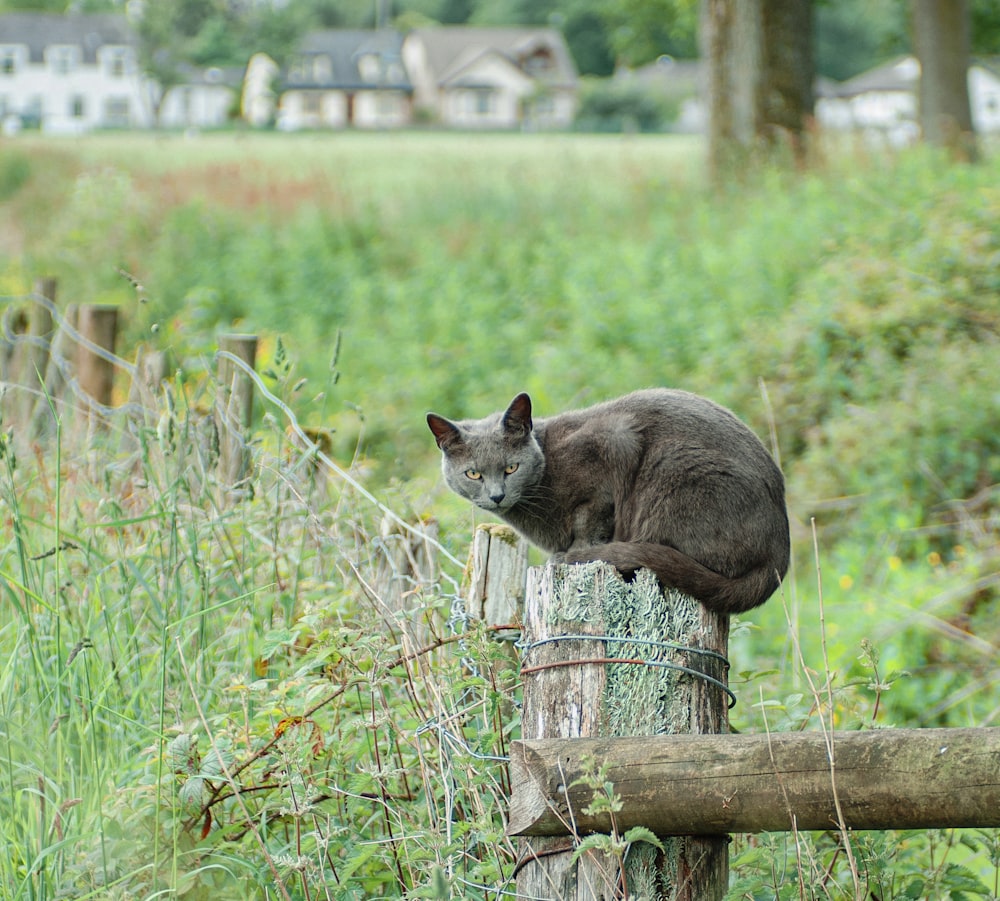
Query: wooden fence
(61, 366)
(628, 682)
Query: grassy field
(206, 699)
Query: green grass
(156, 635)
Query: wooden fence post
(234, 409)
(98, 323)
(580, 621)
(498, 566)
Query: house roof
(452, 48)
(900, 74)
(213, 76)
(345, 49)
(89, 31)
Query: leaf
(604, 844)
(642, 834)
(192, 793)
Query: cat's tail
(677, 570)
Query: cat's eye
(473, 474)
(510, 468)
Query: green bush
(610, 106)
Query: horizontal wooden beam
(714, 784)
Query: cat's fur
(659, 479)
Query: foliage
(210, 698)
(609, 106)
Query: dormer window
(539, 61)
(62, 60)
(322, 68)
(116, 61)
(369, 67)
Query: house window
(369, 68)
(8, 62)
(62, 60)
(322, 69)
(116, 112)
(77, 106)
(539, 62)
(312, 103)
(483, 102)
(116, 62)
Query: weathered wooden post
(604, 657)
(98, 323)
(98, 326)
(498, 567)
(406, 560)
(234, 409)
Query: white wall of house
(489, 94)
(312, 109)
(984, 98)
(381, 109)
(197, 106)
(65, 95)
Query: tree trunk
(941, 37)
(789, 69)
(758, 82)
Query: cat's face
(491, 462)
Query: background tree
(759, 73)
(942, 38)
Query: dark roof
(89, 31)
(453, 48)
(345, 49)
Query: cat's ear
(517, 419)
(446, 433)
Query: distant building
(341, 78)
(205, 98)
(70, 73)
(468, 77)
(883, 101)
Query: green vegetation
(212, 699)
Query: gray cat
(659, 479)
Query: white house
(342, 77)
(205, 98)
(70, 73)
(883, 101)
(470, 77)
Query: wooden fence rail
(713, 784)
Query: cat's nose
(496, 498)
